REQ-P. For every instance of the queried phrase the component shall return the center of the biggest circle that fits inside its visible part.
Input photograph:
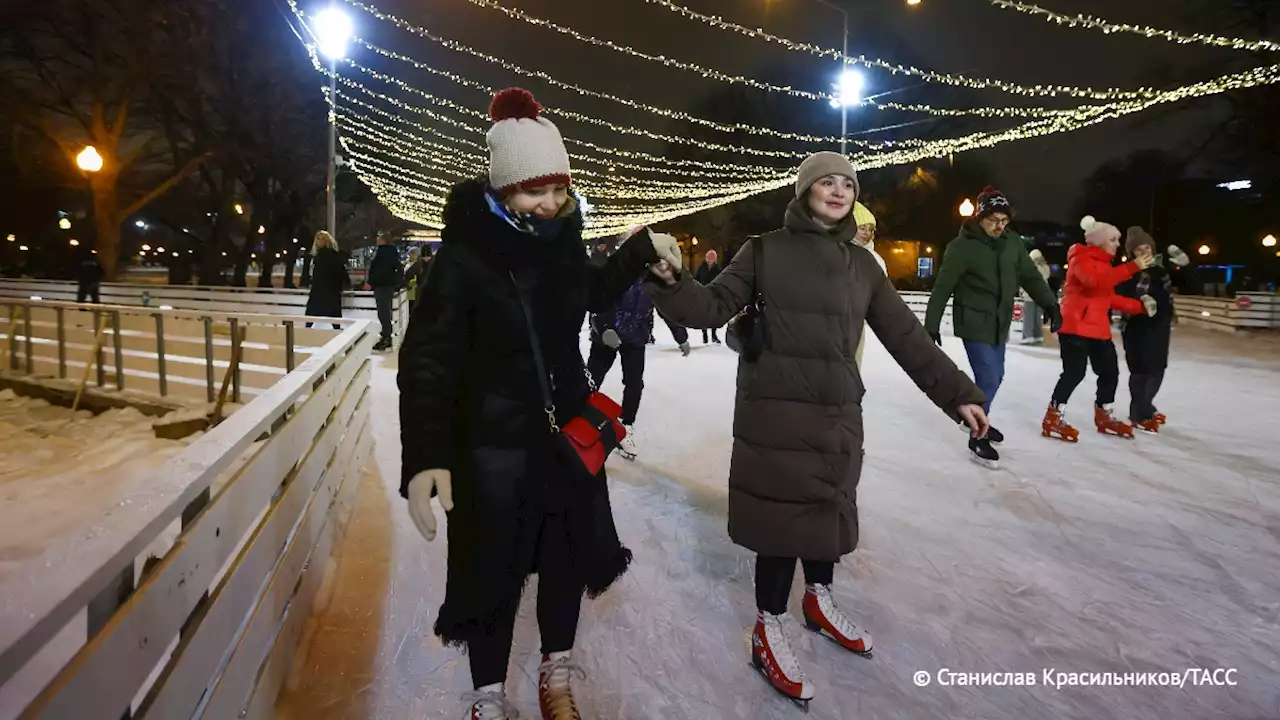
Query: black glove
(1054, 316)
(937, 338)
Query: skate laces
(492, 705)
(780, 645)
(827, 605)
(555, 677)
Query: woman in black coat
(328, 279)
(473, 429)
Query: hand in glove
(1054, 315)
(1144, 261)
(937, 338)
(1178, 257)
(610, 338)
(420, 487)
(1149, 303)
(668, 249)
(685, 349)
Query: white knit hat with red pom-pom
(525, 150)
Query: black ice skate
(982, 453)
(994, 436)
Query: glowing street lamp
(966, 208)
(913, 2)
(140, 224)
(1269, 241)
(1204, 250)
(262, 229)
(12, 237)
(89, 160)
(64, 223)
(74, 242)
(239, 209)
(333, 31)
(23, 248)
(146, 247)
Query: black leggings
(774, 575)
(1078, 353)
(1142, 394)
(559, 602)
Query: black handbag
(746, 333)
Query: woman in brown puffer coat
(797, 451)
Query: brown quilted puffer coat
(797, 449)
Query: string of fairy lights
(411, 154)
(1094, 23)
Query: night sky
(1042, 176)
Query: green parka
(983, 274)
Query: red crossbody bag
(587, 440)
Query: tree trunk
(107, 220)
(265, 268)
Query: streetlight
(333, 30)
(1269, 241)
(23, 248)
(146, 247)
(913, 2)
(89, 160)
(159, 249)
(1204, 250)
(74, 242)
(966, 208)
(239, 209)
(140, 224)
(64, 223)
(12, 237)
(846, 81)
(262, 229)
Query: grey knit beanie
(1136, 238)
(819, 165)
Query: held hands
(420, 487)
(937, 338)
(668, 249)
(976, 418)
(664, 272)
(1149, 304)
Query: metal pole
(844, 67)
(333, 147)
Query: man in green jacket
(983, 269)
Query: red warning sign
(1017, 311)
(1244, 302)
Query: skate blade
(988, 464)
(629, 457)
(1059, 436)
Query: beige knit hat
(819, 165)
(525, 150)
(1096, 232)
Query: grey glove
(610, 337)
(685, 349)
(1149, 304)
(1178, 257)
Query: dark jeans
(383, 296)
(773, 580)
(714, 336)
(987, 361)
(601, 360)
(88, 292)
(559, 602)
(1142, 394)
(1077, 354)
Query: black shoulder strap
(543, 379)
(757, 262)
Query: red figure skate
(1108, 424)
(771, 654)
(1055, 425)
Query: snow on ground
(1153, 555)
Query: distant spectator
(328, 279)
(89, 274)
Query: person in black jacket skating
(1146, 339)
(472, 425)
(386, 276)
(709, 271)
(329, 279)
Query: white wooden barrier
(210, 630)
(167, 353)
(271, 301)
(1246, 311)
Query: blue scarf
(528, 224)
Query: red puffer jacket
(1090, 292)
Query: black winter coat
(470, 402)
(1146, 339)
(328, 279)
(385, 269)
(707, 273)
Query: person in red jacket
(1088, 298)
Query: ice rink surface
(1159, 554)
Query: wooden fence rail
(209, 630)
